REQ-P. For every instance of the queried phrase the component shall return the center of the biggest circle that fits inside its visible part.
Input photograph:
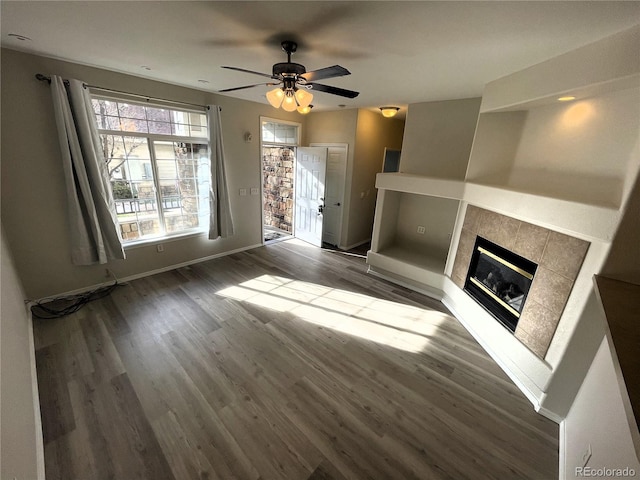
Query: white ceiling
(398, 52)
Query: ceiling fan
(294, 82)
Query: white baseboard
(562, 452)
(39, 438)
(349, 247)
(554, 417)
(145, 274)
(431, 293)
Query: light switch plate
(243, 192)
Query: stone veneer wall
(277, 169)
(559, 258)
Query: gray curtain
(220, 219)
(94, 230)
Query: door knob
(336, 204)
(320, 209)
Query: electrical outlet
(160, 248)
(586, 456)
(255, 191)
(421, 229)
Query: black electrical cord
(45, 311)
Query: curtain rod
(44, 78)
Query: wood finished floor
(283, 362)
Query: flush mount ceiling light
(294, 82)
(389, 112)
(566, 98)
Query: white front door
(334, 192)
(311, 168)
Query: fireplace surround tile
(559, 258)
(463, 257)
(537, 325)
(535, 343)
(471, 219)
(550, 289)
(531, 241)
(498, 229)
(564, 254)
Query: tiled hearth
(559, 258)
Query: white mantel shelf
(591, 222)
(420, 185)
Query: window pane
(107, 123)
(131, 111)
(111, 147)
(121, 191)
(198, 122)
(164, 150)
(187, 168)
(162, 128)
(140, 169)
(105, 107)
(180, 129)
(158, 114)
(268, 132)
(166, 169)
(134, 125)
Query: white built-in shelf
(414, 265)
(398, 247)
(420, 185)
(590, 221)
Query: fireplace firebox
(499, 280)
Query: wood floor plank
(281, 362)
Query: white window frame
(151, 138)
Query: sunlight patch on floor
(401, 326)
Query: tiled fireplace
(558, 258)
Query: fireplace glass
(499, 280)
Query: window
(158, 162)
(279, 133)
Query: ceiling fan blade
(247, 86)
(334, 90)
(327, 72)
(251, 71)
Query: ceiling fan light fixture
(275, 97)
(303, 97)
(289, 103)
(389, 112)
(305, 110)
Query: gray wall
(33, 201)
(438, 138)
(21, 431)
(374, 133)
(367, 134)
